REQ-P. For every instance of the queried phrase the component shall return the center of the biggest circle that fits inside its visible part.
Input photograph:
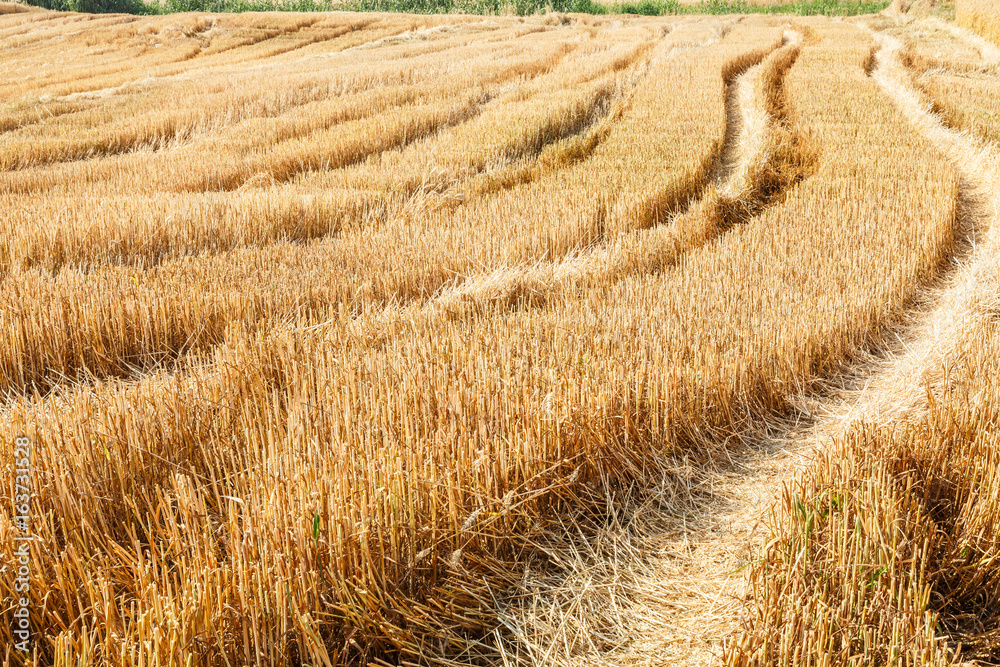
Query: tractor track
(681, 607)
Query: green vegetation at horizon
(485, 7)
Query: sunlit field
(562, 339)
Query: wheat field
(386, 339)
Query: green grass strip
(485, 7)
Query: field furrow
(262, 143)
(517, 128)
(548, 384)
(758, 162)
(521, 122)
(116, 50)
(698, 544)
(146, 113)
(188, 306)
(383, 339)
(891, 528)
(221, 378)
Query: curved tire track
(141, 362)
(894, 387)
(897, 389)
(757, 164)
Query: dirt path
(893, 386)
(694, 586)
(889, 387)
(678, 608)
(681, 603)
